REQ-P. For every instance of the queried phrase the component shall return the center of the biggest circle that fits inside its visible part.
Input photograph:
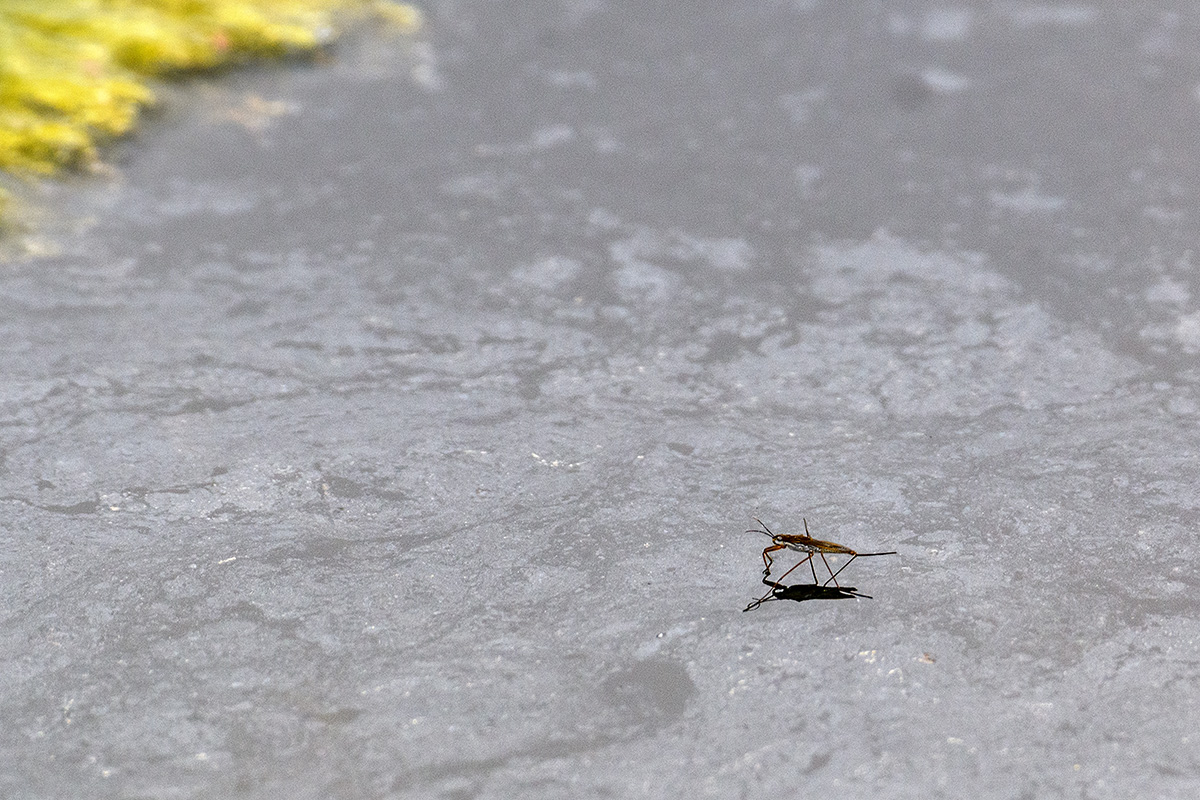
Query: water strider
(804, 543)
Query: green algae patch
(75, 73)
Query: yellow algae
(403, 17)
(74, 73)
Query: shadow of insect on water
(804, 591)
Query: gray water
(390, 426)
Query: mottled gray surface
(392, 429)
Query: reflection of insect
(804, 591)
(806, 544)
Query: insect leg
(767, 560)
(776, 584)
(807, 558)
(833, 575)
(775, 589)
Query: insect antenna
(765, 530)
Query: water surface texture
(391, 427)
